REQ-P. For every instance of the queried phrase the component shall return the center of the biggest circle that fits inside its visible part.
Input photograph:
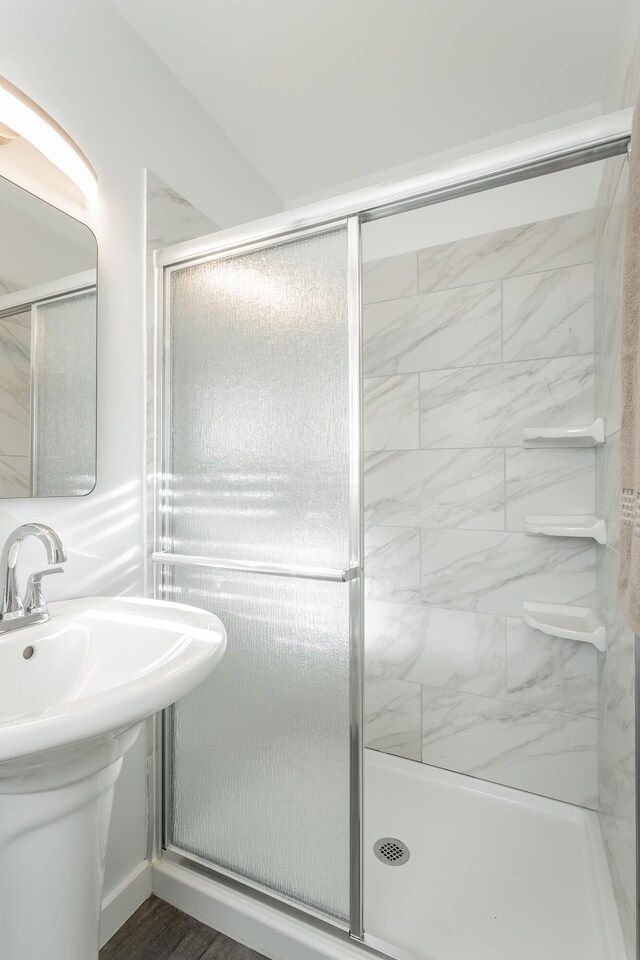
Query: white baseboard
(263, 928)
(122, 902)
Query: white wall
(80, 61)
(433, 161)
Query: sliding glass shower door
(259, 499)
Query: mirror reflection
(47, 349)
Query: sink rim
(125, 703)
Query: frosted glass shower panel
(64, 396)
(260, 750)
(258, 458)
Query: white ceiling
(319, 92)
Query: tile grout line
(475, 283)
(478, 366)
(511, 701)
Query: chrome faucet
(14, 612)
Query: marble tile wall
(15, 428)
(616, 670)
(464, 345)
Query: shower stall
(380, 459)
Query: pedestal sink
(74, 693)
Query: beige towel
(629, 575)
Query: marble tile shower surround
(171, 218)
(616, 673)
(489, 406)
(464, 345)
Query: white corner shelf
(568, 622)
(589, 436)
(582, 525)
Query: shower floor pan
(492, 874)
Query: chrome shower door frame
(351, 575)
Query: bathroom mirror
(47, 349)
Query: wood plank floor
(158, 931)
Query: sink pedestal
(54, 822)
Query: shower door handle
(271, 569)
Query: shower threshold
(493, 873)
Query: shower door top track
(581, 143)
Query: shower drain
(392, 851)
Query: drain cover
(392, 851)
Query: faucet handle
(34, 598)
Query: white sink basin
(74, 693)
(99, 665)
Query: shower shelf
(568, 622)
(589, 436)
(567, 526)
